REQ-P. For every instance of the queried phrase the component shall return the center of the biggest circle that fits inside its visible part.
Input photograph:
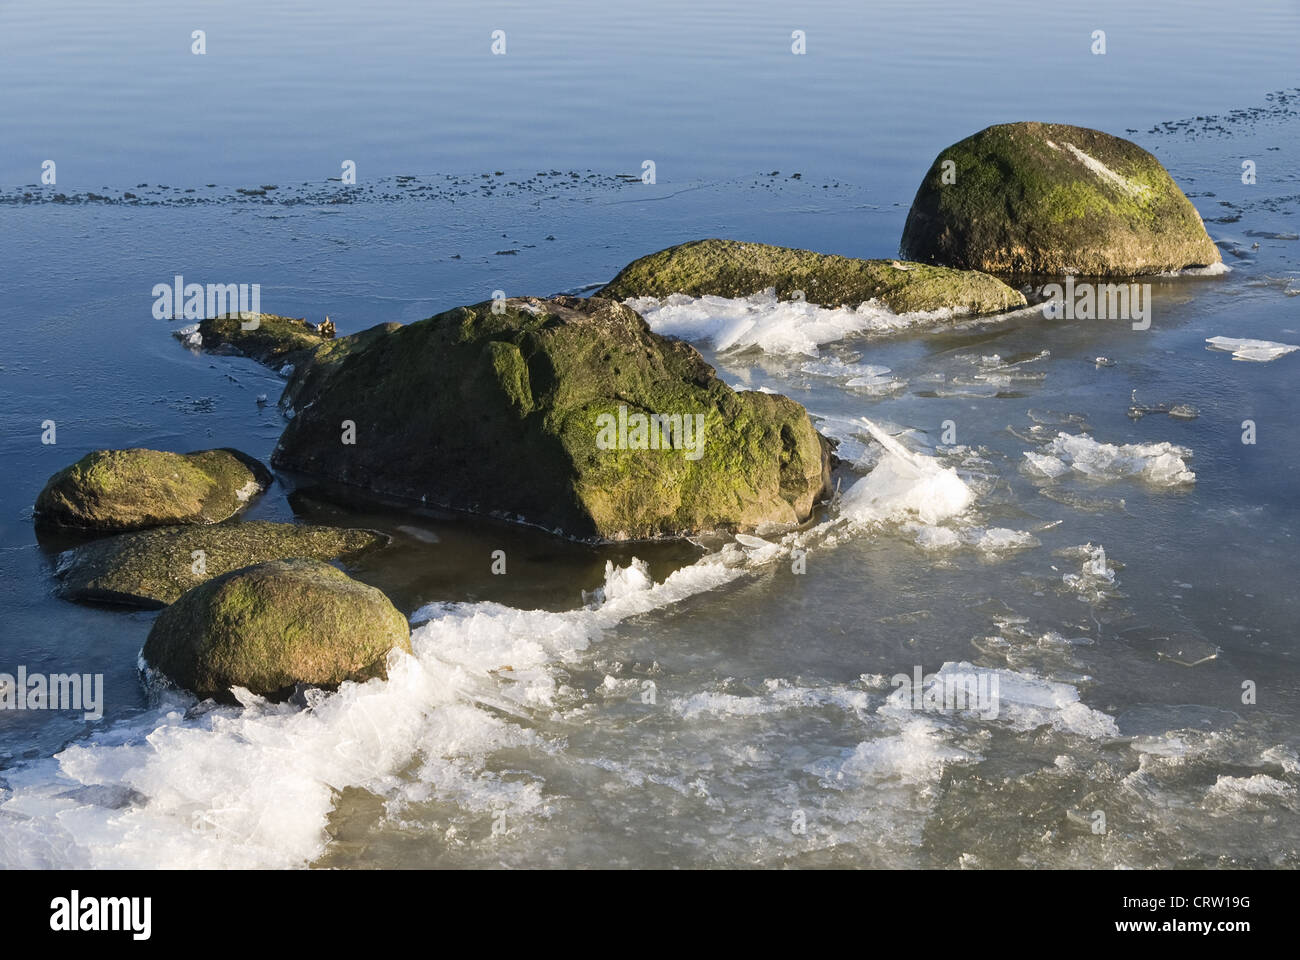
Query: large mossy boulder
(506, 408)
(275, 625)
(731, 268)
(313, 369)
(152, 568)
(1046, 198)
(111, 491)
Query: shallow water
(713, 707)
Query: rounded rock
(272, 626)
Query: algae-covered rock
(264, 337)
(1046, 198)
(274, 625)
(311, 370)
(730, 268)
(539, 410)
(117, 490)
(309, 352)
(152, 568)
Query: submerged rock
(272, 626)
(152, 568)
(1047, 198)
(118, 490)
(305, 352)
(538, 410)
(264, 337)
(730, 268)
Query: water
(716, 708)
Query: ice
(775, 326)
(991, 542)
(1002, 540)
(871, 379)
(1259, 351)
(1284, 756)
(1211, 270)
(1044, 465)
(905, 485)
(778, 696)
(1023, 701)
(250, 489)
(1160, 464)
(838, 369)
(1237, 793)
(1095, 573)
(917, 756)
(255, 785)
(189, 335)
(937, 538)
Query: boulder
(1046, 198)
(313, 369)
(730, 268)
(116, 490)
(272, 626)
(533, 410)
(152, 568)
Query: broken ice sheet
(1160, 464)
(1259, 351)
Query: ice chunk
(1161, 464)
(775, 326)
(1236, 793)
(905, 485)
(1260, 351)
(189, 335)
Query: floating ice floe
(775, 326)
(854, 441)
(1236, 793)
(1095, 576)
(985, 375)
(1259, 351)
(916, 756)
(777, 696)
(1023, 701)
(991, 542)
(905, 485)
(1161, 464)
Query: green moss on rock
(285, 341)
(313, 368)
(730, 268)
(274, 340)
(1045, 198)
(497, 413)
(152, 568)
(271, 626)
(118, 490)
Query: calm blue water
(766, 698)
